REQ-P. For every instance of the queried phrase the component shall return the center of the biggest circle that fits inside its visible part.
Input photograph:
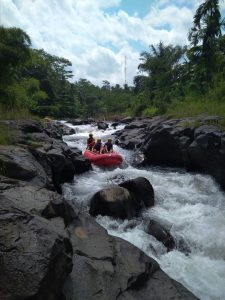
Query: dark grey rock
(56, 129)
(161, 234)
(177, 143)
(37, 201)
(29, 126)
(102, 125)
(131, 138)
(114, 201)
(126, 120)
(141, 190)
(124, 201)
(18, 163)
(35, 260)
(137, 124)
(115, 124)
(107, 267)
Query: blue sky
(134, 7)
(96, 35)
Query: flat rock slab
(18, 163)
(107, 267)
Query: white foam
(191, 206)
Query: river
(191, 206)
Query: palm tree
(204, 36)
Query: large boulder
(102, 125)
(131, 138)
(114, 201)
(123, 201)
(106, 267)
(63, 169)
(206, 153)
(18, 163)
(163, 147)
(197, 144)
(81, 163)
(141, 190)
(161, 234)
(29, 126)
(36, 200)
(138, 124)
(56, 129)
(60, 162)
(35, 259)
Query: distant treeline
(171, 78)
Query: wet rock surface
(107, 267)
(196, 144)
(40, 156)
(48, 250)
(102, 125)
(116, 202)
(35, 259)
(141, 190)
(18, 163)
(161, 234)
(124, 201)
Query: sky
(97, 35)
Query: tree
(204, 37)
(14, 52)
(161, 68)
(53, 73)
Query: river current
(190, 206)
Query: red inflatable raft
(104, 160)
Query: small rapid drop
(190, 206)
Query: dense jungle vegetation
(175, 80)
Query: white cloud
(94, 39)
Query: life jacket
(90, 142)
(109, 146)
(98, 146)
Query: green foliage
(174, 80)
(150, 112)
(182, 82)
(196, 107)
(164, 68)
(6, 135)
(14, 51)
(204, 37)
(14, 113)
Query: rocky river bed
(51, 248)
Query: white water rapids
(191, 206)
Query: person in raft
(90, 142)
(98, 146)
(108, 147)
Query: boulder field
(49, 250)
(196, 144)
(124, 201)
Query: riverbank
(51, 250)
(196, 144)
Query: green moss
(6, 135)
